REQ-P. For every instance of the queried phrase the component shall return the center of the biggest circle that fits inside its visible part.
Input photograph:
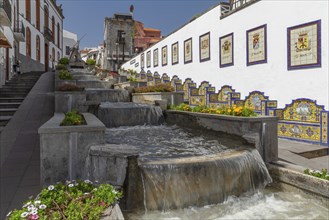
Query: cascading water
(180, 168)
(115, 114)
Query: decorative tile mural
(304, 45)
(226, 51)
(302, 120)
(254, 101)
(306, 132)
(256, 45)
(142, 60)
(148, 59)
(223, 93)
(324, 127)
(165, 78)
(175, 80)
(188, 51)
(202, 87)
(155, 57)
(174, 53)
(204, 47)
(186, 86)
(164, 56)
(304, 110)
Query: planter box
(67, 101)
(64, 149)
(95, 84)
(124, 85)
(60, 82)
(172, 98)
(262, 132)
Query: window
(58, 36)
(38, 47)
(46, 13)
(28, 10)
(67, 50)
(53, 28)
(37, 9)
(28, 42)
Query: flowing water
(192, 175)
(182, 168)
(268, 204)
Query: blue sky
(87, 17)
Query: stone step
(14, 95)
(7, 111)
(1, 128)
(9, 105)
(4, 120)
(14, 90)
(10, 100)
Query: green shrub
(132, 79)
(233, 110)
(70, 87)
(73, 118)
(91, 62)
(61, 67)
(64, 61)
(156, 88)
(65, 75)
(72, 200)
(320, 174)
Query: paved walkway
(291, 152)
(20, 148)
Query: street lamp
(123, 35)
(117, 57)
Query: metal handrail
(48, 33)
(19, 27)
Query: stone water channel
(176, 166)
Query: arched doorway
(46, 57)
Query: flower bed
(72, 200)
(73, 118)
(323, 174)
(156, 88)
(234, 110)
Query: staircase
(12, 94)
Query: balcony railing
(6, 7)
(48, 34)
(19, 31)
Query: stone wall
(27, 64)
(262, 132)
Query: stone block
(173, 98)
(67, 101)
(64, 149)
(260, 131)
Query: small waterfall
(203, 180)
(129, 114)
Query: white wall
(35, 31)
(272, 77)
(69, 39)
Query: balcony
(234, 6)
(48, 34)
(19, 31)
(5, 12)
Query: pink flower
(33, 217)
(102, 204)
